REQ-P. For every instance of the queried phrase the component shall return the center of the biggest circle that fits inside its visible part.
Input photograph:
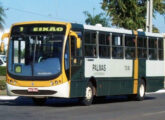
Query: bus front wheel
(89, 93)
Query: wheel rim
(142, 90)
(88, 93)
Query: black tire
(89, 93)
(39, 101)
(141, 91)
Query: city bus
(69, 60)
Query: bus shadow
(56, 102)
(118, 99)
(25, 101)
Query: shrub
(2, 71)
(2, 84)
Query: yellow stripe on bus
(135, 33)
(48, 83)
(136, 70)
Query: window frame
(129, 46)
(117, 46)
(94, 46)
(152, 48)
(106, 45)
(144, 47)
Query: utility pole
(149, 16)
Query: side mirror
(78, 40)
(2, 46)
(5, 35)
(78, 45)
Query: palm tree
(96, 19)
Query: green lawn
(3, 92)
(2, 87)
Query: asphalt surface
(111, 108)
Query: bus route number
(127, 68)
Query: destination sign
(48, 29)
(39, 29)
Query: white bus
(65, 60)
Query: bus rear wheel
(89, 93)
(39, 101)
(141, 91)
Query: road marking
(155, 113)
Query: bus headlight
(56, 82)
(51, 83)
(11, 81)
(14, 82)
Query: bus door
(75, 58)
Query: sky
(56, 10)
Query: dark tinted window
(129, 47)
(153, 42)
(117, 46)
(160, 49)
(90, 44)
(104, 45)
(142, 47)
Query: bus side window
(160, 49)
(129, 47)
(117, 47)
(104, 45)
(152, 48)
(142, 47)
(90, 44)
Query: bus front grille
(40, 92)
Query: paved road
(112, 108)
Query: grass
(2, 71)
(3, 92)
(2, 87)
(2, 84)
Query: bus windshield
(35, 54)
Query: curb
(8, 97)
(157, 92)
(15, 97)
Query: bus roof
(120, 30)
(39, 22)
(81, 27)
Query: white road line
(154, 113)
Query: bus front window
(35, 55)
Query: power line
(34, 13)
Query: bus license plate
(32, 89)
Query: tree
(130, 14)
(96, 19)
(2, 15)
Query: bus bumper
(61, 90)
